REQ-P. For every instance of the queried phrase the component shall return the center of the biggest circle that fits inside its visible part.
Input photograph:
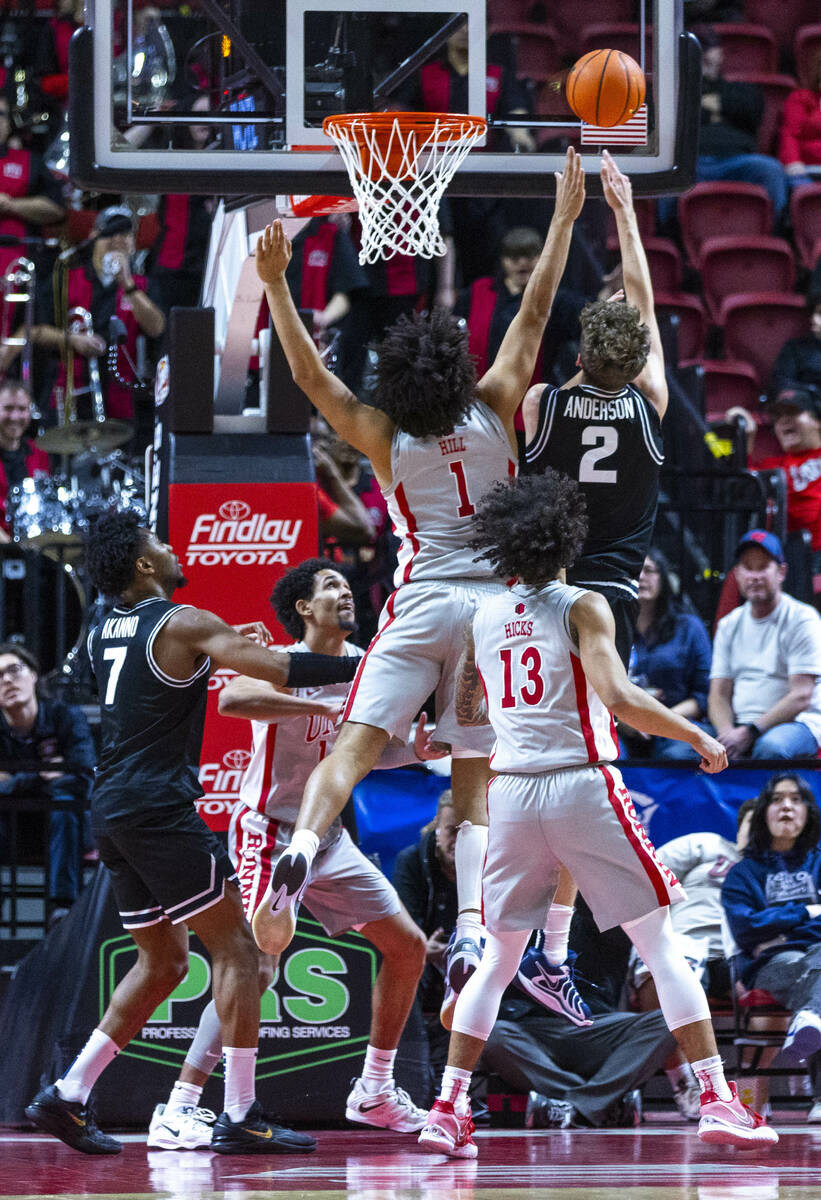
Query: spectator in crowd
(796, 416)
(765, 695)
(103, 285)
(670, 657)
(582, 1076)
(731, 114)
(490, 303)
(324, 270)
(771, 899)
(19, 456)
(799, 359)
(800, 138)
(57, 735)
(30, 196)
(700, 861)
(342, 515)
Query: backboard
(227, 96)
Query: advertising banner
(234, 541)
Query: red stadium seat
(692, 321)
(806, 46)
(730, 266)
(617, 35)
(536, 47)
(774, 89)
(757, 326)
(712, 209)
(747, 48)
(570, 19)
(727, 384)
(781, 17)
(664, 260)
(805, 214)
(500, 12)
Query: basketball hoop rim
(456, 125)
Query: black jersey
(151, 724)
(611, 444)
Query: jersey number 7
(116, 656)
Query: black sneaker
(256, 1135)
(71, 1122)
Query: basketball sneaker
(69, 1121)
(183, 1128)
(551, 986)
(731, 1123)
(391, 1109)
(802, 1041)
(274, 921)
(255, 1134)
(464, 956)
(446, 1132)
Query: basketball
(605, 87)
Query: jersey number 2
(605, 441)
(533, 691)
(116, 656)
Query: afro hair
(113, 544)
(425, 376)
(531, 528)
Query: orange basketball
(605, 87)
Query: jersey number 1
(457, 470)
(116, 656)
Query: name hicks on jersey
(594, 408)
(518, 629)
(120, 627)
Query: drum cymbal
(81, 435)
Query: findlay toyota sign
(237, 534)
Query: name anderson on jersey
(594, 408)
(120, 627)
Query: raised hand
(570, 186)
(618, 191)
(273, 252)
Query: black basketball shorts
(167, 865)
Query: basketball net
(399, 165)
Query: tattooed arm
(471, 708)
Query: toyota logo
(237, 760)
(235, 510)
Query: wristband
(315, 670)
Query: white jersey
(701, 861)
(437, 483)
(543, 711)
(285, 752)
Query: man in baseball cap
(767, 541)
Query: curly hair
(532, 527)
(425, 376)
(760, 839)
(614, 343)
(113, 544)
(296, 584)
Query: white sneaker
(391, 1109)
(687, 1095)
(802, 1041)
(185, 1128)
(446, 1132)
(814, 1115)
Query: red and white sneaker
(731, 1123)
(448, 1133)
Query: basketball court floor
(661, 1161)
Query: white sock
(87, 1067)
(680, 1076)
(710, 1075)
(183, 1095)
(454, 1087)
(556, 933)
(469, 857)
(240, 1069)
(306, 842)
(377, 1071)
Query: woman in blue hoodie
(772, 899)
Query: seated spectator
(491, 302)
(771, 899)
(765, 695)
(670, 657)
(701, 862)
(800, 138)
(19, 456)
(582, 1076)
(799, 359)
(56, 734)
(731, 114)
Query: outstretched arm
(368, 429)
(592, 620)
(503, 386)
(638, 288)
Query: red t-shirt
(803, 473)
